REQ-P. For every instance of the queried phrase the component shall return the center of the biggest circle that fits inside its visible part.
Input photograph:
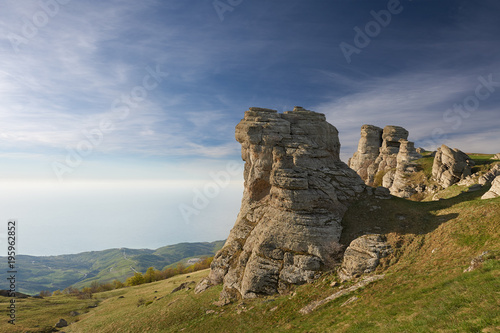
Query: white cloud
(415, 101)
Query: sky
(117, 117)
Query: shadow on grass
(396, 215)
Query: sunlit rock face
(450, 166)
(386, 154)
(296, 192)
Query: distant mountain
(37, 273)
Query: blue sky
(115, 114)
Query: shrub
(135, 280)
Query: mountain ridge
(37, 273)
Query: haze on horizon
(116, 115)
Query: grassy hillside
(79, 270)
(425, 287)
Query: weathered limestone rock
(496, 157)
(489, 176)
(296, 192)
(494, 190)
(393, 158)
(390, 147)
(450, 166)
(363, 160)
(483, 179)
(363, 256)
(401, 182)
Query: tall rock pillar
(296, 192)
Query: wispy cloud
(416, 101)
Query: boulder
(184, 285)
(61, 323)
(296, 192)
(450, 166)
(494, 190)
(363, 256)
(496, 157)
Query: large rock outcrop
(296, 192)
(386, 154)
(450, 166)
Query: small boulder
(184, 285)
(363, 256)
(496, 157)
(61, 323)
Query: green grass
(425, 164)
(425, 288)
(483, 162)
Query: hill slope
(79, 270)
(425, 287)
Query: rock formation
(494, 190)
(420, 150)
(363, 256)
(399, 180)
(450, 166)
(481, 179)
(296, 192)
(490, 176)
(391, 143)
(386, 153)
(363, 160)
(496, 157)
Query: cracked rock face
(450, 166)
(296, 193)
